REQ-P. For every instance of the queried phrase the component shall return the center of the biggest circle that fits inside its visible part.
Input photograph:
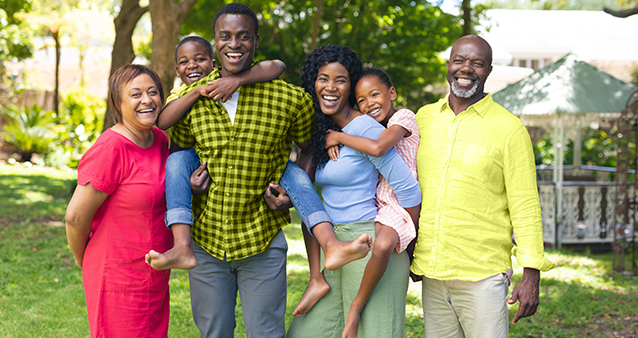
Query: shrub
(29, 130)
(79, 125)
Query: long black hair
(315, 60)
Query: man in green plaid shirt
(238, 242)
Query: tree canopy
(402, 37)
(16, 38)
(581, 5)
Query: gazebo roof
(566, 86)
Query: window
(535, 64)
(547, 61)
(522, 63)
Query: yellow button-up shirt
(478, 182)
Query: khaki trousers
(459, 309)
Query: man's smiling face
(235, 42)
(469, 66)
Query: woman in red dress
(116, 214)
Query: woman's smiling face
(141, 103)
(332, 88)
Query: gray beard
(464, 94)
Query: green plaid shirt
(232, 218)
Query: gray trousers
(261, 282)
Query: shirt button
(232, 138)
(227, 194)
(230, 166)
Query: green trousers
(384, 313)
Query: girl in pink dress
(395, 226)
(116, 214)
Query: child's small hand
(332, 144)
(202, 90)
(333, 152)
(332, 138)
(222, 88)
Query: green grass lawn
(41, 291)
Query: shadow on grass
(570, 309)
(33, 197)
(41, 292)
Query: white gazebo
(564, 97)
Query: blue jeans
(180, 165)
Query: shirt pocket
(477, 162)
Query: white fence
(588, 209)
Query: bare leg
(339, 253)
(383, 247)
(180, 256)
(317, 286)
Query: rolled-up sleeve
(522, 197)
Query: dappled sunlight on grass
(583, 296)
(41, 292)
(294, 237)
(587, 272)
(584, 277)
(297, 258)
(33, 193)
(569, 258)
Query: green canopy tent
(570, 93)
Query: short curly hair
(237, 8)
(196, 39)
(315, 60)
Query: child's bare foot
(317, 289)
(352, 324)
(342, 252)
(179, 257)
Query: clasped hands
(221, 89)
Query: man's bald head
(481, 45)
(469, 66)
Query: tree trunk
(466, 10)
(56, 90)
(167, 17)
(315, 25)
(123, 54)
(81, 55)
(621, 13)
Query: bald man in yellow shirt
(478, 181)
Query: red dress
(125, 297)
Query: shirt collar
(481, 107)
(217, 72)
